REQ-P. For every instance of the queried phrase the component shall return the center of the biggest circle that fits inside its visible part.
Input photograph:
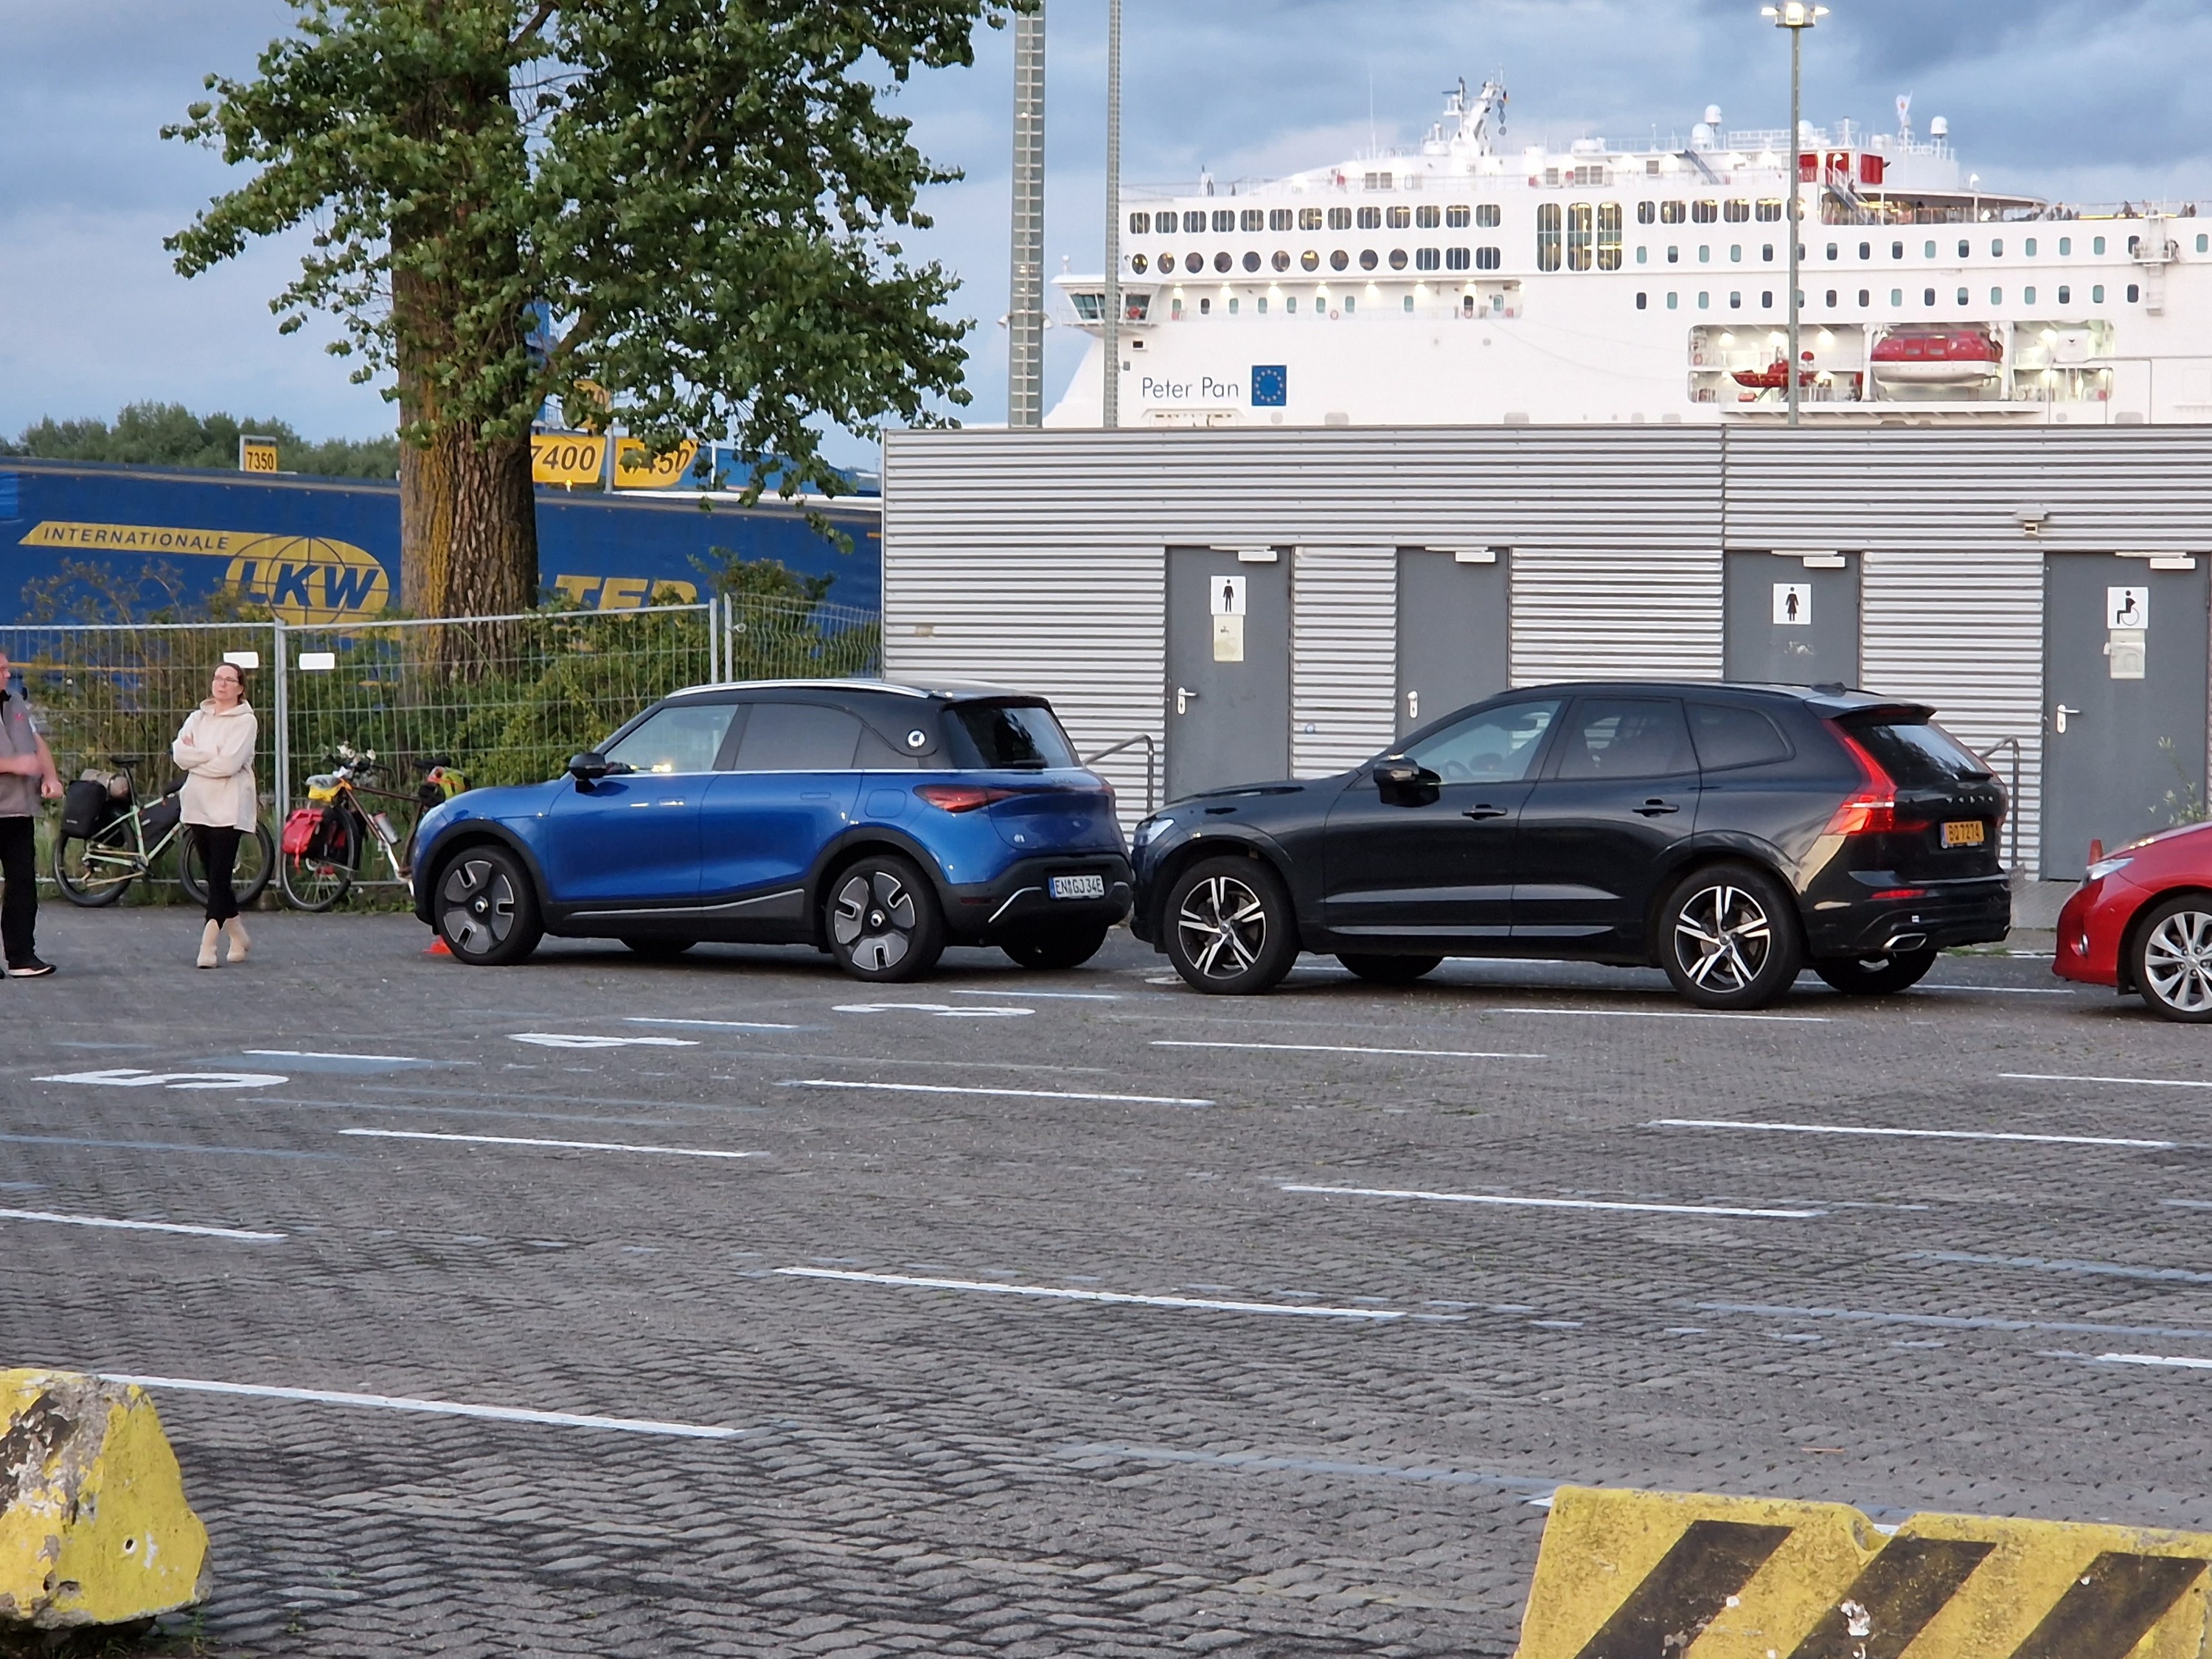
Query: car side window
(1624, 738)
(1730, 735)
(877, 754)
(1498, 745)
(679, 737)
(797, 736)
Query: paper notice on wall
(2124, 653)
(1228, 638)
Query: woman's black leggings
(218, 846)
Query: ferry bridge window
(1672, 300)
(2134, 293)
(1639, 302)
(2097, 246)
(1928, 297)
(1770, 212)
(1965, 249)
(1962, 297)
(1928, 251)
(1897, 296)
(1581, 223)
(1428, 258)
(2028, 296)
(2096, 293)
(1291, 304)
(1140, 224)
(1608, 236)
(1488, 215)
(1467, 305)
(1251, 261)
(1832, 250)
(1174, 309)
(1351, 304)
(1735, 300)
(2065, 246)
(1736, 213)
(1308, 218)
(1340, 218)
(1338, 259)
(1263, 305)
(1832, 298)
(1222, 263)
(1997, 248)
(1866, 250)
(2065, 294)
(1547, 236)
(1427, 218)
(1137, 263)
(1643, 255)
(1367, 259)
(1704, 213)
(1705, 301)
(1458, 218)
(1409, 302)
(1398, 217)
(1996, 296)
(1647, 213)
(1735, 253)
(1375, 181)
(1232, 307)
(1254, 219)
(1224, 219)
(1165, 224)
(1674, 254)
(1489, 259)
(1397, 258)
(1897, 249)
(1767, 298)
(1673, 213)
(1458, 259)
(1370, 218)
(2028, 247)
(1281, 261)
(1205, 307)
(1194, 223)
(1704, 254)
(1278, 218)
(2203, 244)
(1310, 260)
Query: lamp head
(1794, 14)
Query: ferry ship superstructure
(1471, 281)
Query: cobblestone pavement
(1075, 1313)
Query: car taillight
(1871, 809)
(962, 797)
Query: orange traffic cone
(438, 947)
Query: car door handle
(1655, 808)
(1485, 811)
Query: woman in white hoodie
(215, 750)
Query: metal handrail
(2012, 818)
(1152, 761)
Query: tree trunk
(468, 525)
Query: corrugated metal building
(2001, 574)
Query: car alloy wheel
(2173, 961)
(1224, 926)
(1230, 928)
(486, 912)
(1730, 938)
(883, 921)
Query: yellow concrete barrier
(1643, 1575)
(93, 1525)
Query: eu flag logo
(1271, 386)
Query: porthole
(1338, 259)
(1310, 260)
(1397, 258)
(1281, 261)
(1222, 263)
(1367, 259)
(1251, 261)
(1139, 264)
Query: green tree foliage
(706, 193)
(170, 434)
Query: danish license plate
(1095, 886)
(1963, 832)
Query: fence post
(284, 681)
(715, 639)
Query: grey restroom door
(1229, 669)
(1787, 623)
(1454, 633)
(2124, 691)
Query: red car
(2142, 921)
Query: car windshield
(1012, 734)
(1918, 754)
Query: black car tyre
(1055, 950)
(1390, 971)
(485, 908)
(1727, 937)
(2172, 959)
(1230, 928)
(658, 949)
(883, 921)
(1876, 976)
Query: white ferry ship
(1471, 283)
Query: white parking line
(134, 1076)
(1342, 1049)
(1053, 996)
(2136, 1082)
(141, 1226)
(317, 1053)
(576, 1040)
(1562, 1203)
(957, 1088)
(1055, 1293)
(434, 1407)
(714, 1025)
(1905, 1134)
(940, 1010)
(573, 1146)
(1673, 1013)
(2182, 1361)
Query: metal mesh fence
(779, 639)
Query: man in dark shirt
(27, 776)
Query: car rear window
(1009, 734)
(1918, 754)
(1729, 735)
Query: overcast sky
(2084, 99)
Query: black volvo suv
(1731, 834)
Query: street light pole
(1025, 302)
(1113, 319)
(1796, 16)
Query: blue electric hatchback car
(876, 821)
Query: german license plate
(1963, 832)
(1095, 886)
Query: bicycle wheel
(249, 877)
(318, 880)
(98, 869)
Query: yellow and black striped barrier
(1644, 1575)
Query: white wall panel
(1344, 660)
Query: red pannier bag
(300, 831)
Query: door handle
(2059, 716)
(1413, 705)
(1485, 811)
(1184, 698)
(1655, 808)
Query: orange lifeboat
(1940, 356)
(1774, 377)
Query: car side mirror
(587, 767)
(1404, 783)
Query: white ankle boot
(209, 934)
(234, 929)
